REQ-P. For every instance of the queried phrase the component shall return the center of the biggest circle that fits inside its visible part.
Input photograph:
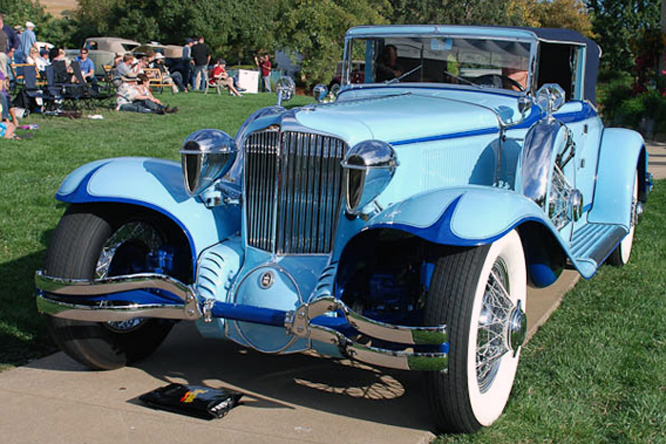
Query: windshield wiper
(469, 82)
(397, 79)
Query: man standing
(87, 69)
(12, 45)
(27, 41)
(264, 63)
(201, 56)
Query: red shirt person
(264, 63)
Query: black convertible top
(593, 54)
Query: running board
(594, 242)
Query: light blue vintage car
(398, 225)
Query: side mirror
(285, 89)
(524, 106)
(319, 92)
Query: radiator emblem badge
(266, 280)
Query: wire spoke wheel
(125, 245)
(96, 242)
(479, 293)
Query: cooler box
(248, 80)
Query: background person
(219, 76)
(174, 79)
(201, 56)
(264, 64)
(27, 41)
(7, 129)
(136, 97)
(87, 69)
(12, 45)
(387, 65)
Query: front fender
(471, 216)
(155, 184)
(463, 216)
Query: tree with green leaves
(455, 12)
(232, 29)
(315, 29)
(17, 12)
(619, 25)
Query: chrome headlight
(206, 155)
(368, 169)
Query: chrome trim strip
(118, 284)
(115, 284)
(401, 360)
(106, 313)
(300, 323)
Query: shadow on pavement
(281, 382)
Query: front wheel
(93, 242)
(480, 294)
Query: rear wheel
(479, 293)
(620, 256)
(92, 243)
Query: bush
(620, 105)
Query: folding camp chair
(31, 96)
(156, 81)
(17, 75)
(60, 87)
(89, 95)
(108, 80)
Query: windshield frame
(443, 32)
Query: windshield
(482, 62)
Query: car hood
(404, 116)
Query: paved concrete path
(657, 159)
(288, 399)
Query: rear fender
(622, 152)
(154, 184)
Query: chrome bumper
(77, 299)
(76, 306)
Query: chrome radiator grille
(293, 191)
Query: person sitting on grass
(218, 76)
(8, 112)
(7, 129)
(136, 97)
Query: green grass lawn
(595, 373)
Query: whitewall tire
(480, 294)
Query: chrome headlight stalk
(368, 168)
(206, 156)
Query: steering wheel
(490, 79)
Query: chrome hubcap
(501, 328)
(517, 328)
(140, 232)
